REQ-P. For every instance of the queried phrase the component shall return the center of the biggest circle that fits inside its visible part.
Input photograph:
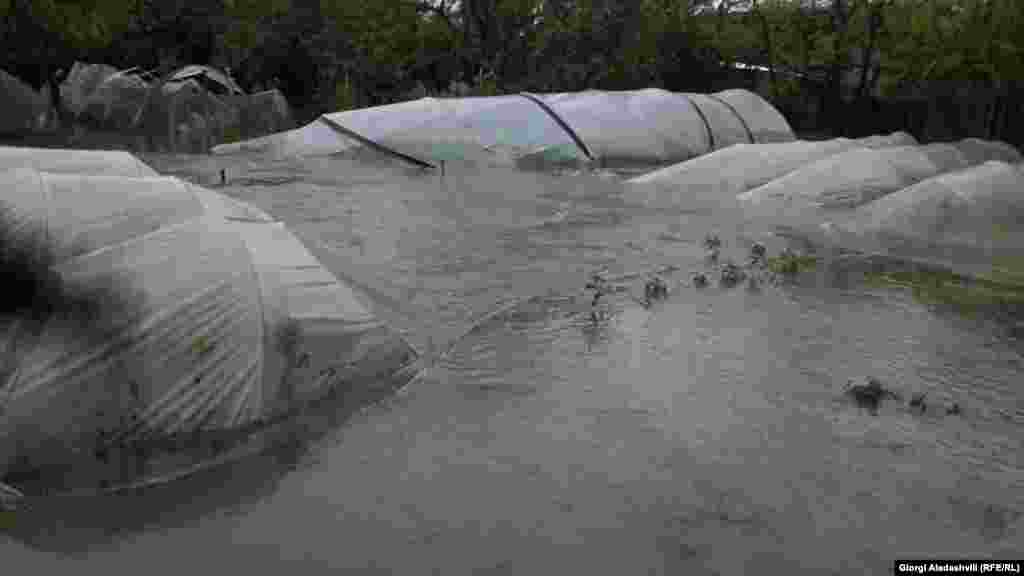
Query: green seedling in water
(789, 264)
(201, 345)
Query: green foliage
(85, 24)
(232, 134)
(7, 519)
(386, 47)
(344, 96)
(966, 295)
(201, 345)
(790, 264)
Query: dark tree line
(331, 54)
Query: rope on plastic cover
(707, 125)
(376, 146)
(558, 120)
(743, 122)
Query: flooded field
(704, 434)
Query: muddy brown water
(706, 434)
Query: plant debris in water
(870, 394)
(731, 274)
(785, 267)
(655, 289)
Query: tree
(43, 37)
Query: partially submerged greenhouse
(723, 174)
(228, 323)
(968, 220)
(849, 179)
(645, 127)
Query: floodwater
(706, 434)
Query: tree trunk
(60, 114)
(874, 22)
(766, 37)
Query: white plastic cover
(80, 83)
(726, 124)
(978, 151)
(227, 84)
(765, 122)
(221, 284)
(458, 128)
(60, 160)
(725, 173)
(884, 140)
(850, 179)
(977, 210)
(117, 101)
(845, 180)
(644, 126)
(314, 139)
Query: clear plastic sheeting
(727, 127)
(963, 219)
(641, 127)
(217, 81)
(117, 101)
(236, 322)
(314, 139)
(506, 127)
(644, 126)
(59, 160)
(80, 83)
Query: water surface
(706, 434)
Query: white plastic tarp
(221, 286)
(845, 180)
(965, 218)
(60, 160)
(723, 174)
(854, 178)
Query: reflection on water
(704, 434)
